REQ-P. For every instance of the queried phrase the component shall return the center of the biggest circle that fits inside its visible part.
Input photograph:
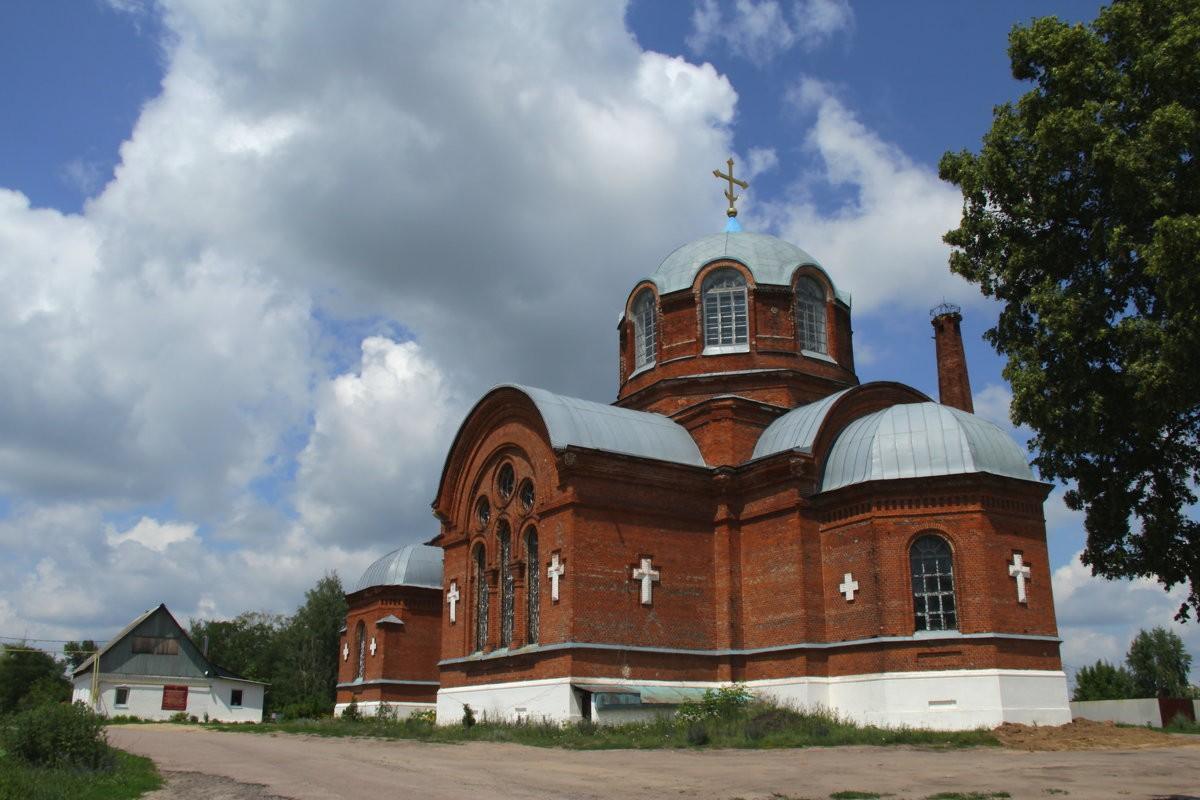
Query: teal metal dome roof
(916, 440)
(411, 565)
(771, 260)
(797, 429)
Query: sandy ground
(244, 766)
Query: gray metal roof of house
(796, 429)
(921, 439)
(583, 423)
(411, 565)
(771, 260)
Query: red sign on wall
(174, 698)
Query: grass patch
(968, 796)
(854, 794)
(130, 777)
(1182, 724)
(757, 725)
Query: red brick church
(745, 511)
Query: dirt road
(263, 766)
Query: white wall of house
(213, 697)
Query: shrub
(308, 709)
(586, 727)
(59, 736)
(351, 712)
(468, 717)
(726, 703)
(427, 717)
(384, 712)
(181, 717)
(697, 733)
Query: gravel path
(249, 766)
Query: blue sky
(268, 254)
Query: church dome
(411, 565)
(770, 260)
(917, 440)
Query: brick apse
(745, 511)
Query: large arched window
(360, 633)
(810, 316)
(645, 329)
(932, 565)
(481, 598)
(504, 537)
(725, 318)
(533, 592)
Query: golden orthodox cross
(729, 195)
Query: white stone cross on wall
(1018, 570)
(452, 598)
(345, 652)
(648, 575)
(372, 645)
(849, 586)
(555, 571)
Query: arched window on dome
(360, 633)
(479, 568)
(504, 537)
(726, 322)
(934, 606)
(533, 590)
(810, 316)
(645, 329)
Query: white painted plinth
(396, 709)
(943, 700)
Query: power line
(35, 639)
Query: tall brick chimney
(954, 387)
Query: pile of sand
(1083, 734)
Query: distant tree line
(1157, 665)
(296, 655)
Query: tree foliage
(1081, 212)
(78, 652)
(1159, 664)
(1103, 681)
(28, 675)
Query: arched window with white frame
(479, 568)
(726, 321)
(934, 604)
(645, 329)
(810, 316)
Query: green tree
(307, 674)
(78, 652)
(248, 644)
(1159, 664)
(1103, 681)
(23, 668)
(1081, 212)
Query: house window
(810, 316)
(504, 536)
(235, 698)
(361, 633)
(481, 599)
(645, 329)
(174, 698)
(156, 645)
(122, 698)
(934, 607)
(725, 318)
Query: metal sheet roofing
(411, 565)
(797, 429)
(918, 440)
(770, 260)
(583, 423)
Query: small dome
(797, 429)
(770, 260)
(411, 565)
(917, 440)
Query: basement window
(235, 698)
(122, 698)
